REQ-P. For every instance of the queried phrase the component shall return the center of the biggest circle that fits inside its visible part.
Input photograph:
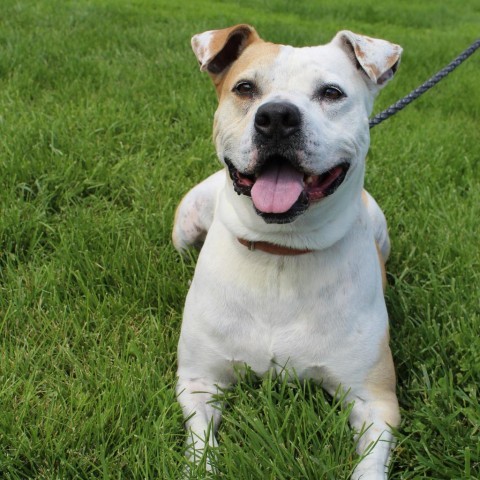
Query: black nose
(277, 119)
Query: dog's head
(292, 123)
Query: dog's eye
(245, 88)
(330, 92)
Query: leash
(414, 94)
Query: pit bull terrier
(290, 274)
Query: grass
(104, 123)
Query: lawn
(105, 122)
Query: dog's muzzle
(280, 188)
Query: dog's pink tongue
(277, 189)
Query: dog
(290, 276)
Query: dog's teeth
(309, 180)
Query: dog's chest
(287, 326)
(303, 313)
(288, 331)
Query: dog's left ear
(379, 59)
(216, 50)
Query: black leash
(396, 107)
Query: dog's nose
(277, 119)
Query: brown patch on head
(259, 53)
(218, 50)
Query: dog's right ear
(216, 50)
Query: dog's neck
(272, 248)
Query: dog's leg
(202, 413)
(374, 415)
(194, 215)
(375, 410)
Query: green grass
(105, 122)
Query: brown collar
(272, 248)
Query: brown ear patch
(216, 50)
(229, 53)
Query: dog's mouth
(281, 192)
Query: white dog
(290, 274)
